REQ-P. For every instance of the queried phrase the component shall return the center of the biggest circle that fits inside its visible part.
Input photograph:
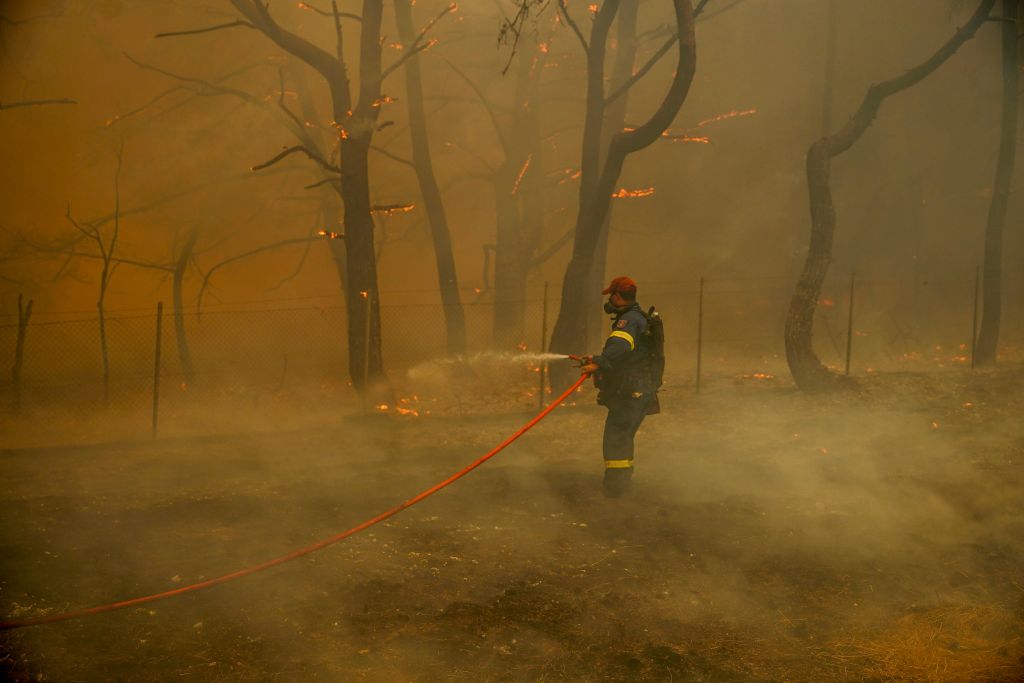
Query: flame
(569, 174)
(592, 8)
(827, 302)
(383, 407)
(629, 194)
(728, 115)
(388, 209)
(543, 47)
(330, 234)
(687, 136)
(758, 375)
(700, 139)
(405, 406)
(522, 172)
(383, 99)
(396, 46)
(364, 294)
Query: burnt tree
(455, 321)
(600, 171)
(988, 335)
(355, 120)
(808, 371)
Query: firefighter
(624, 382)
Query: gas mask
(612, 309)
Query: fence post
(24, 314)
(700, 330)
(974, 324)
(543, 342)
(156, 364)
(849, 325)
(366, 349)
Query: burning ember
(630, 194)
(728, 115)
(522, 172)
(330, 234)
(388, 209)
(757, 375)
(405, 406)
(687, 134)
(384, 99)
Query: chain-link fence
(260, 366)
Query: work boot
(617, 481)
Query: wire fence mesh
(261, 364)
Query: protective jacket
(623, 363)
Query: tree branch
(192, 32)
(292, 150)
(325, 13)
(655, 58)
(417, 45)
(238, 257)
(572, 24)
(35, 103)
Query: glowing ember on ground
(330, 234)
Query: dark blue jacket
(622, 362)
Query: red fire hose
(64, 616)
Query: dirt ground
(770, 536)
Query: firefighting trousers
(625, 413)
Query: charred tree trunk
(614, 120)
(177, 282)
(331, 210)
(988, 336)
(808, 371)
(455, 320)
(355, 126)
(361, 265)
(597, 180)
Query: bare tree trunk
(598, 179)
(808, 371)
(177, 281)
(455, 320)
(511, 180)
(24, 315)
(614, 121)
(355, 126)
(361, 265)
(988, 336)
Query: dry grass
(948, 643)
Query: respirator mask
(612, 309)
